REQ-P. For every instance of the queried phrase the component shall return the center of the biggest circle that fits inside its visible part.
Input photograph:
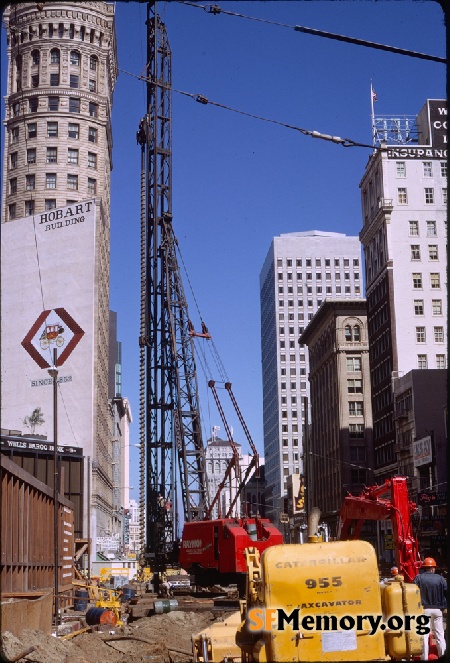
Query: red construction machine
(389, 501)
(214, 550)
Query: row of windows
(433, 253)
(74, 83)
(436, 307)
(421, 335)
(319, 291)
(50, 183)
(30, 207)
(73, 131)
(417, 280)
(318, 276)
(53, 105)
(427, 167)
(422, 361)
(414, 228)
(429, 196)
(55, 58)
(52, 157)
(56, 30)
(318, 262)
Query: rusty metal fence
(27, 554)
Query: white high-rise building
(404, 234)
(301, 270)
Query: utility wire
(200, 98)
(215, 9)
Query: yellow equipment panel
(321, 588)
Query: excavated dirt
(157, 639)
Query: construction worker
(394, 571)
(433, 592)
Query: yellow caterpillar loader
(318, 602)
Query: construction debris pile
(162, 638)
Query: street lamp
(53, 372)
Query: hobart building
(62, 68)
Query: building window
(29, 207)
(356, 431)
(53, 103)
(444, 196)
(429, 196)
(92, 86)
(436, 305)
(50, 203)
(15, 135)
(52, 155)
(92, 134)
(32, 130)
(402, 196)
(75, 58)
(415, 252)
(358, 477)
(31, 155)
(353, 364)
(417, 281)
(35, 57)
(92, 160)
(52, 129)
(72, 182)
(12, 211)
(13, 185)
(74, 81)
(431, 229)
(54, 56)
(33, 104)
(50, 180)
(433, 251)
(440, 361)
(435, 280)
(354, 386)
(93, 62)
(74, 105)
(355, 408)
(357, 454)
(443, 169)
(93, 109)
(439, 334)
(13, 158)
(72, 156)
(427, 169)
(54, 80)
(422, 361)
(418, 307)
(35, 80)
(400, 168)
(420, 335)
(413, 228)
(30, 182)
(74, 131)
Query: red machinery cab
(213, 550)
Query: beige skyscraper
(62, 68)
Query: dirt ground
(161, 639)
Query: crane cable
(215, 9)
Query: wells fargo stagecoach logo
(54, 328)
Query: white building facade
(301, 270)
(404, 235)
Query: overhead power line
(215, 9)
(200, 98)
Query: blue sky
(237, 181)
